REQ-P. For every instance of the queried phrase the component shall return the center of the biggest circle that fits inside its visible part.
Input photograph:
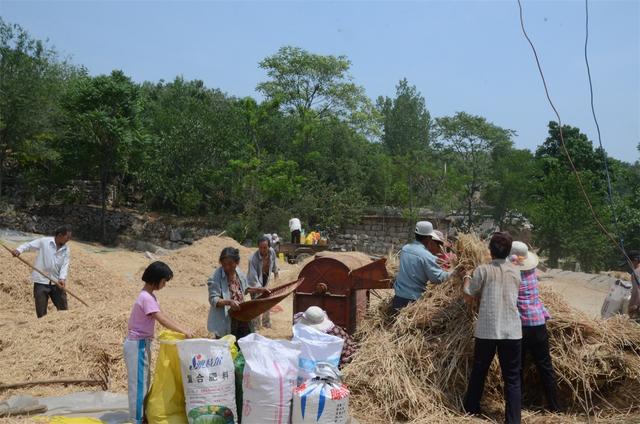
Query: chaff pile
(415, 368)
(74, 343)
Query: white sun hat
(316, 318)
(522, 258)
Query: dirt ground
(64, 345)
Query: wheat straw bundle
(415, 368)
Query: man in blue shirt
(418, 266)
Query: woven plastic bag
(165, 402)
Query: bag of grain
(323, 399)
(209, 381)
(315, 347)
(614, 302)
(270, 372)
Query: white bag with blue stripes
(321, 400)
(315, 347)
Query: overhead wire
(599, 223)
(595, 120)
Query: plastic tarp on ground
(110, 408)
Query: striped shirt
(532, 311)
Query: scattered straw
(415, 368)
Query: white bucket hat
(316, 318)
(522, 258)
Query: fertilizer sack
(209, 381)
(315, 347)
(321, 400)
(615, 301)
(164, 404)
(270, 372)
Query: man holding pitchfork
(53, 260)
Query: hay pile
(72, 344)
(416, 368)
(193, 265)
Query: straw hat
(439, 236)
(316, 318)
(522, 258)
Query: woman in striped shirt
(534, 316)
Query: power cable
(564, 147)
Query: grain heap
(415, 368)
(81, 343)
(194, 264)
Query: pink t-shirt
(141, 323)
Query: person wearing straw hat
(418, 266)
(315, 317)
(533, 315)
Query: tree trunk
(2, 158)
(470, 209)
(103, 212)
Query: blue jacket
(418, 266)
(219, 321)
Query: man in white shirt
(53, 260)
(295, 226)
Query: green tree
(406, 133)
(193, 133)
(472, 139)
(563, 224)
(31, 83)
(305, 83)
(511, 183)
(101, 129)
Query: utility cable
(564, 147)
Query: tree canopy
(314, 146)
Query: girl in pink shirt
(137, 345)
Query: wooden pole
(53, 280)
(49, 382)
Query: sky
(461, 55)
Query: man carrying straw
(418, 266)
(498, 327)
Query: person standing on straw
(418, 266)
(53, 259)
(534, 316)
(498, 327)
(634, 302)
(137, 345)
(262, 264)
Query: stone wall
(123, 227)
(380, 232)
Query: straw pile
(73, 344)
(415, 368)
(193, 265)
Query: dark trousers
(510, 356)
(240, 329)
(295, 236)
(398, 303)
(42, 293)
(535, 340)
